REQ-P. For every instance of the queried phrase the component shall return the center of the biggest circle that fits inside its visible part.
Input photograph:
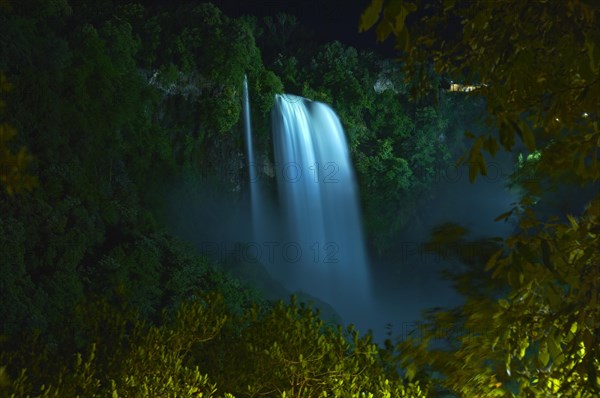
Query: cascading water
(248, 132)
(317, 246)
(318, 196)
(255, 197)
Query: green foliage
(284, 351)
(215, 68)
(116, 101)
(106, 146)
(388, 188)
(538, 80)
(395, 143)
(126, 357)
(302, 358)
(532, 329)
(536, 339)
(13, 166)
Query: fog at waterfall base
(306, 236)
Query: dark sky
(329, 19)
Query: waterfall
(255, 201)
(313, 242)
(320, 212)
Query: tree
(394, 143)
(538, 79)
(13, 166)
(200, 348)
(537, 66)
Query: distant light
(557, 119)
(585, 114)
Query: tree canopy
(536, 65)
(117, 103)
(14, 177)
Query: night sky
(328, 20)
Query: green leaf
(525, 133)
(411, 371)
(503, 216)
(370, 16)
(555, 350)
(403, 40)
(543, 355)
(593, 53)
(507, 136)
(523, 345)
(400, 18)
(546, 254)
(476, 160)
(572, 221)
(491, 145)
(513, 277)
(528, 137)
(491, 262)
(383, 31)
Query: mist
(404, 283)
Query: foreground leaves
(202, 349)
(541, 82)
(540, 339)
(534, 331)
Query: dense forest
(109, 106)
